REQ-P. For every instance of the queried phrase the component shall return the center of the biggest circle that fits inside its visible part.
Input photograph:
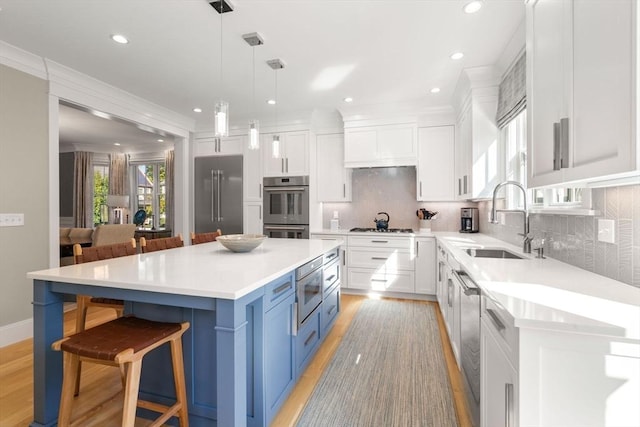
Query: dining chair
(84, 302)
(153, 245)
(197, 238)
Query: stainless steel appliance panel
(218, 194)
(286, 231)
(308, 288)
(470, 341)
(469, 220)
(286, 200)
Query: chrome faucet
(526, 243)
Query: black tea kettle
(382, 224)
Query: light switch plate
(11, 220)
(606, 230)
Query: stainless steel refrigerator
(218, 194)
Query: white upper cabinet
(477, 149)
(581, 90)
(334, 181)
(380, 146)
(294, 154)
(208, 145)
(252, 185)
(435, 170)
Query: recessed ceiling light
(457, 55)
(435, 90)
(116, 143)
(161, 140)
(119, 38)
(271, 101)
(197, 110)
(473, 6)
(348, 99)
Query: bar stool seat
(123, 342)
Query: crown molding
(22, 60)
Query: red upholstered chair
(153, 245)
(197, 238)
(123, 342)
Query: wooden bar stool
(154, 245)
(197, 238)
(123, 342)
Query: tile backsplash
(391, 190)
(573, 238)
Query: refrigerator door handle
(219, 213)
(212, 196)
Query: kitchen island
(227, 297)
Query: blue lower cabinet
(307, 341)
(329, 309)
(279, 355)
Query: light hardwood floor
(101, 384)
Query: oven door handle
(284, 189)
(282, 227)
(468, 290)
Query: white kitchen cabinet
(425, 265)
(252, 184)
(441, 280)
(581, 90)
(208, 145)
(294, 154)
(499, 381)
(252, 218)
(380, 146)
(381, 263)
(435, 169)
(334, 180)
(477, 149)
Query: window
(100, 191)
(151, 193)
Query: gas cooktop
(388, 230)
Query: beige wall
(24, 188)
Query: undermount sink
(492, 253)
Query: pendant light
(221, 122)
(253, 39)
(276, 64)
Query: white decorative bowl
(241, 242)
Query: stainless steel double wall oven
(286, 207)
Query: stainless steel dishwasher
(470, 340)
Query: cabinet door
(207, 145)
(271, 166)
(252, 185)
(360, 145)
(548, 80)
(252, 218)
(436, 172)
(334, 181)
(426, 266)
(397, 142)
(603, 89)
(463, 150)
(499, 384)
(279, 355)
(296, 153)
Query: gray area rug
(389, 370)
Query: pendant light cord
(221, 12)
(253, 89)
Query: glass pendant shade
(222, 119)
(254, 135)
(275, 147)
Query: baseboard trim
(16, 332)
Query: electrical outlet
(606, 230)
(11, 220)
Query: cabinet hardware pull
(420, 188)
(286, 162)
(508, 405)
(379, 280)
(465, 185)
(282, 165)
(564, 142)
(495, 319)
(330, 278)
(556, 147)
(310, 337)
(294, 323)
(260, 190)
(333, 255)
(212, 197)
(344, 190)
(333, 307)
(284, 189)
(379, 241)
(282, 288)
(344, 257)
(381, 258)
(459, 187)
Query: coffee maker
(469, 220)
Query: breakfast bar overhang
(223, 295)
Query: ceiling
(375, 51)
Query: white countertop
(549, 294)
(206, 270)
(346, 232)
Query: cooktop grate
(388, 230)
